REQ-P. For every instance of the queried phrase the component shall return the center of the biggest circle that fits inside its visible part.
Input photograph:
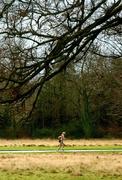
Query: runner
(61, 141)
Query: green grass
(32, 147)
(42, 175)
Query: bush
(43, 133)
(73, 130)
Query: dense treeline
(60, 68)
(83, 101)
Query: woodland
(60, 68)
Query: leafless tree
(40, 38)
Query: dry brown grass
(72, 163)
(54, 142)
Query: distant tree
(53, 34)
(55, 106)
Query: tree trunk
(86, 118)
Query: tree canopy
(40, 38)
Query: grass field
(54, 142)
(61, 166)
(51, 144)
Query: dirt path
(65, 151)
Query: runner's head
(64, 133)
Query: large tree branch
(55, 36)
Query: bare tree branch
(40, 38)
